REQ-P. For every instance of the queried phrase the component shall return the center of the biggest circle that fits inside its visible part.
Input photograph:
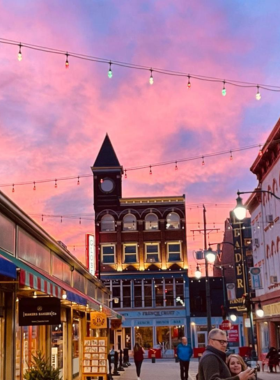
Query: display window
(75, 342)
(57, 346)
(144, 336)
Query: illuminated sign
(90, 254)
(98, 320)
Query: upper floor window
(173, 221)
(108, 223)
(151, 222)
(130, 253)
(129, 222)
(152, 253)
(108, 254)
(174, 251)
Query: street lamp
(259, 311)
(210, 256)
(240, 209)
(197, 273)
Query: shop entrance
(119, 341)
(201, 339)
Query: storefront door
(119, 341)
(201, 339)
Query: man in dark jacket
(212, 365)
(184, 353)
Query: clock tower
(107, 178)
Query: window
(137, 293)
(126, 293)
(148, 298)
(151, 222)
(108, 254)
(174, 251)
(107, 223)
(116, 293)
(152, 251)
(129, 223)
(130, 254)
(159, 292)
(169, 295)
(173, 221)
(179, 291)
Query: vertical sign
(256, 280)
(90, 254)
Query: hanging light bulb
(125, 175)
(189, 81)
(151, 78)
(13, 189)
(224, 91)
(78, 182)
(34, 187)
(176, 166)
(61, 219)
(151, 170)
(66, 62)
(110, 74)
(19, 53)
(55, 183)
(42, 217)
(80, 221)
(258, 95)
(197, 273)
(231, 158)
(203, 163)
(101, 180)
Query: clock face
(107, 185)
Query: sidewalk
(167, 369)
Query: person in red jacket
(138, 353)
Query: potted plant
(41, 369)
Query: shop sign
(116, 324)
(225, 325)
(90, 254)
(256, 279)
(272, 309)
(98, 320)
(39, 311)
(233, 334)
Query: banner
(256, 279)
(90, 254)
(39, 311)
(231, 293)
(98, 320)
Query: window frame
(173, 228)
(102, 254)
(127, 254)
(114, 223)
(147, 253)
(168, 252)
(135, 222)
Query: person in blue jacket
(184, 353)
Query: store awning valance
(7, 268)
(39, 282)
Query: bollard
(153, 356)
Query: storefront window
(137, 293)
(176, 333)
(148, 299)
(144, 336)
(75, 341)
(163, 337)
(116, 293)
(57, 346)
(169, 296)
(179, 291)
(128, 338)
(264, 337)
(126, 293)
(159, 292)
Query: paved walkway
(167, 369)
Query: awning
(30, 276)
(7, 268)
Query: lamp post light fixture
(197, 273)
(240, 210)
(210, 256)
(259, 311)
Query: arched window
(151, 222)
(129, 222)
(173, 221)
(107, 223)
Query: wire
(236, 83)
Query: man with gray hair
(212, 365)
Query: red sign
(226, 325)
(233, 334)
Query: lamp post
(208, 299)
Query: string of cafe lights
(151, 70)
(230, 152)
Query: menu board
(95, 357)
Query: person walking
(138, 354)
(184, 353)
(273, 359)
(212, 365)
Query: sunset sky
(53, 120)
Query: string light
(84, 57)
(125, 174)
(231, 158)
(203, 163)
(110, 74)
(13, 189)
(55, 184)
(151, 78)
(60, 219)
(78, 182)
(19, 53)
(260, 152)
(67, 62)
(42, 218)
(80, 220)
(258, 95)
(224, 91)
(176, 166)
(151, 170)
(101, 180)
(34, 187)
(189, 81)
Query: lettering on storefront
(98, 320)
(158, 313)
(272, 309)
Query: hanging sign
(231, 293)
(98, 320)
(39, 311)
(256, 280)
(225, 325)
(116, 324)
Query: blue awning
(7, 268)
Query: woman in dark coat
(138, 353)
(273, 359)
